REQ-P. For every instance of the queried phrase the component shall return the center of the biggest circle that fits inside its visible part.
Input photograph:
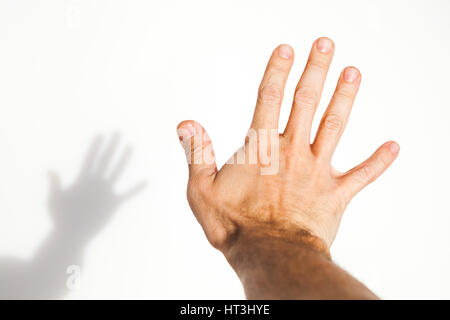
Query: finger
(108, 154)
(271, 89)
(133, 191)
(335, 117)
(198, 149)
(88, 164)
(308, 92)
(118, 170)
(368, 171)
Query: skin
(276, 230)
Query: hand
(85, 207)
(304, 198)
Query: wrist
(265, 263)
(247, 240)
(257, 247)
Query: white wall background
(72, 69)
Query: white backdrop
(72, 69)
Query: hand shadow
(78, 212)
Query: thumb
(198, 148)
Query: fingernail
(394, 147)
(350, 74)
(285, 51)
(324, 45)
(185, 132)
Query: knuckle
(365, 174)
(345, 94)
(195, 191)
(270, 94)
(191, 193)
(319, 64)
(333, 122)
(306, 98)
(218, 237)
(384, 161)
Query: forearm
(275, 268)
